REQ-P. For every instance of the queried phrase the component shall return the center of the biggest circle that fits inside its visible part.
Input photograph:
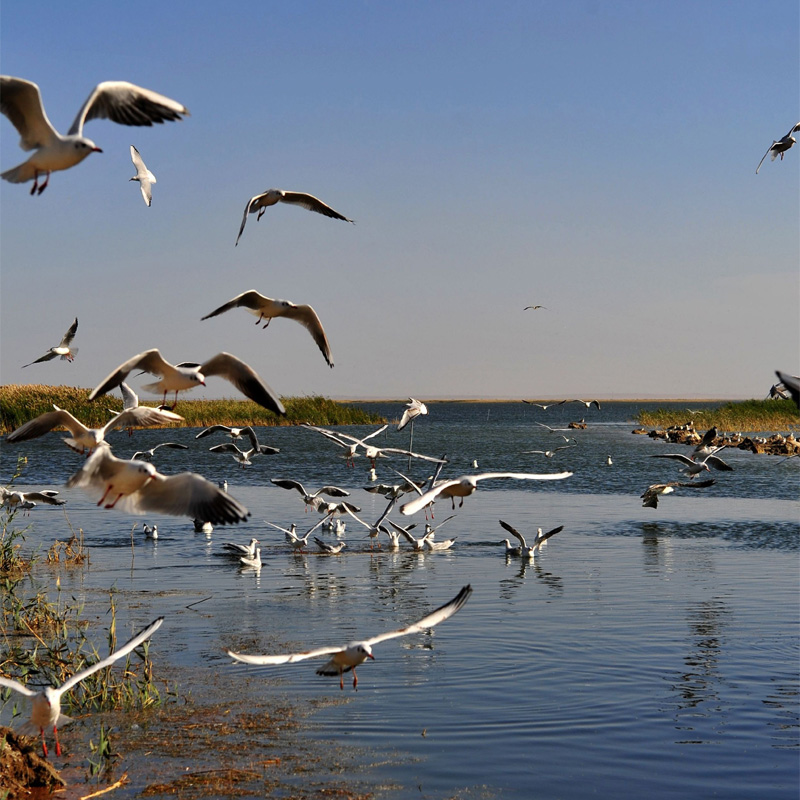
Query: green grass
(747, 416)
(20, 403)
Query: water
(646, 652)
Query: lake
(645, 652)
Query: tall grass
(747, 416)
(20, 403)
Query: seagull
(239, 550)
(609, 462)
(428, 543)
(331, 510)
(137, 487)
(330, 549)
(696, 467)
(234, 433)
(84, 438)
(413, 409)
(62, 349)
(262, 201)
(298, 543)
(779, 147)
(545, 406)
(265, 308)
(655, 490)
(344, 659)
(46, 704)
(465, 485)
(252, 561)
(150, 533)
(550, 453)
(706, 446)
(146, 455)
(587, 403)
(139, 414)
(309, 497)
(202, 526)
(430, 530)
(243, 457)
(352, 446)
(181, 377)
(395, 490)
(143, 175)
(11, 498)
(552, 430)
(534, 308)
(374, 530)
(525, 550)
(119, 101)
(417, 545)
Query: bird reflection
(508, 586)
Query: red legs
(355, 679)
(341, 679)
(108, 489)
(36, 182)
(115, 502)
(261, 213)
(44, 744)
(58, 744)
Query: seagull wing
(769, 149)
(21, 102)
(46, 357)
(245, 379)
(288, 483)
(545, 536)
(126, 104)
(142, 416)
(45, 497)
(678, 456)
(308, 318)
(129, 398)
(150, 361)
(132, 643)
(46, 422)
(252, 205)
(434, 618)
(413, 455)
(185, 495)
(695, 485)
(17, 687)
(718, 463)
(312, 204)
(250, 299)
(514, 532)
(66, 341)
(284, 659)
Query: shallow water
(646, 652)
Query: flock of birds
(135, 485)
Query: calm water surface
(645, 652)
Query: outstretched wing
(251, 300)
(434, 618)
(17, 687)
(132, 643)
(21, 102)
(290, 658)
(514, 532)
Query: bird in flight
(347, 658)
(144, 176)
(119, 101)
(779, 147)
(63, 348)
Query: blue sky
(595, 158)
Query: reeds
(20, 403)
(748, 416)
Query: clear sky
(597, 158)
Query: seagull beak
(369, 655)
(96, 150)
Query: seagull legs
(355, 679)
(44, 744)
(58, 744)
(36, 182)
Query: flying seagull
(137, 488)
(119, 101)
(344, 659)
(13, 499)
(779, 147)
(244, 457)
(792, 384)
(146, 455)
(309, 498)
(84, 438)
(465, 485)
(180, 377)
(234, 433)
(46, 704)
(262, 201)
(654, 491)
(696, 467)
(525, 550)
(143, 175)
(413, 409)
(545, 406)
(265, 308)
(63, 348)
(534, 308)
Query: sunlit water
(646, 652)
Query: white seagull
(545, 406)
(252, 561)
(298, 543)
(139, 414)
(13, 498)
(330, 549)
(239, 550)
(262, 201)
(345, 659)
(654, 491)
(265, 308)
(465, 485)
(350, 446)
(417, 545)
(779, 147)
(119, 101)
(146, 455)
(46, 704)
(309, 498)
(244, 457)
(525, 550)
(84, 438)
(143, 175)
(150, 533)
(63, 348)
(413, 409)
(696, 467)
(549, 453)
(373, 531)
(137, 487)
(180, 377)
